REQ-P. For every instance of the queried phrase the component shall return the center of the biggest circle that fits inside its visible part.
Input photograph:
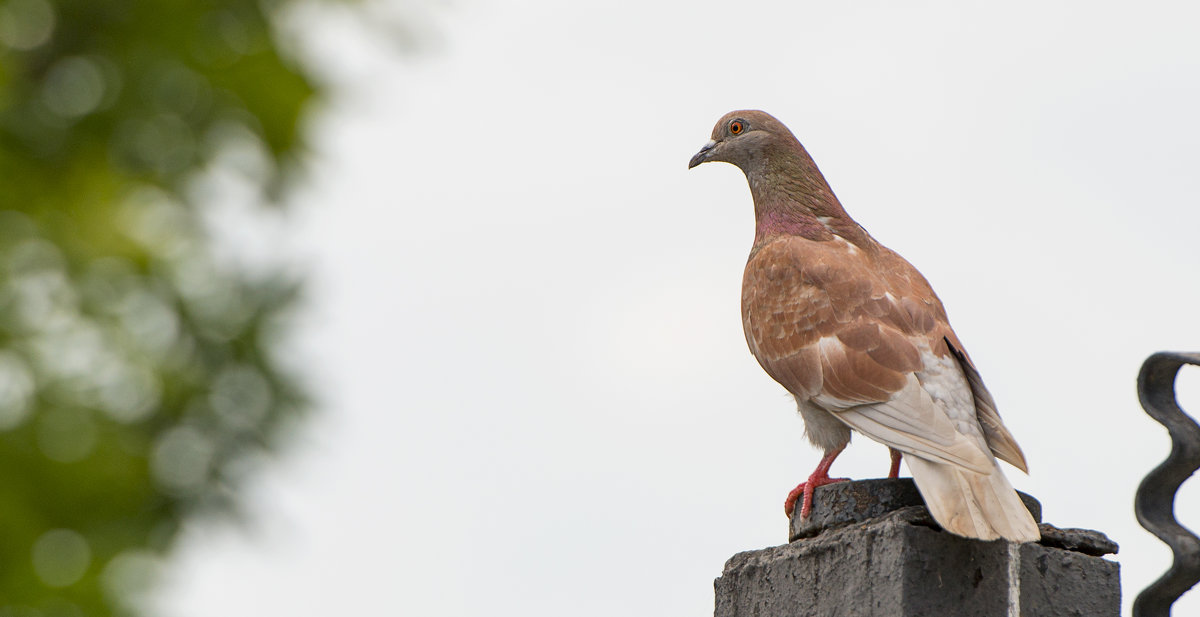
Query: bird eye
(736, 127)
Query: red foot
(820, 477)
(802, 489)
(894, 471)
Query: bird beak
(702, 155)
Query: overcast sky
(523, 322)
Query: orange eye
(736, 127)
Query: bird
(861, 341)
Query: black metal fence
(1155, 500)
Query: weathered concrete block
(900, 564)
(1056, 581)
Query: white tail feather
(970, 504)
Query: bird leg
(820, 477)
(894, 471)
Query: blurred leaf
(136, 378)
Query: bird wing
(864, 337)
(999, 440)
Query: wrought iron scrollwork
(1155, 500)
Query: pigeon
(858, 337)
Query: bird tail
(971, 504)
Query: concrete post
(871, 549)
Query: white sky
(524, 324)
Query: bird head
(745, 138)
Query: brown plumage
(859, 338)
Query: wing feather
(912, 423)
(999, 440)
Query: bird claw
(803, 490)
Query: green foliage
(136, 380)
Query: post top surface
(855, 501)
